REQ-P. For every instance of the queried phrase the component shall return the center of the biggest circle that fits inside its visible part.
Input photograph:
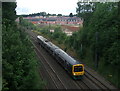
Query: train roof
(59, 51)
(52, 46)
(66, 57)
(42, 38)
(49, 43)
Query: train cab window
(78, 68)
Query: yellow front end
(78, 71)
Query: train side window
(46, 40)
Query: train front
(78, 71)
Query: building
(69, 30)
(56, 20)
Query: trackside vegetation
(19, 62)
(97, 44)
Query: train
(74, 67)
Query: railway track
(55, 78)
(96, 81)
(89, 81)
(80, 85)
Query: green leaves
(114, 51)
(8, 11)
(19, 62)
(105, 45)
(18, 59)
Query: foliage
(57, 35)
(85, 11)
(99, 38)
(59, 15)
(40, 14)
(26, 23)
(71, 15)
(8, 11)
(36, 14)
(19, 61)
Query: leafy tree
(100, 35)
(8, 11)
(71, 15)
(59, 15)
(85, 11)
(53, 14)
(19, 62)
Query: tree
(59, 15)
(43, 14)
(70, 15)
(19, 63)
(53, 14)
(8, 10)
(85, 11)
(100, 35)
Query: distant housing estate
(68, 24)
(62, 20)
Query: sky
(64, 7)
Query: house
(69, 30)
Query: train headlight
(74, 74)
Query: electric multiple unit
(72, 66)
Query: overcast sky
(64, 7)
